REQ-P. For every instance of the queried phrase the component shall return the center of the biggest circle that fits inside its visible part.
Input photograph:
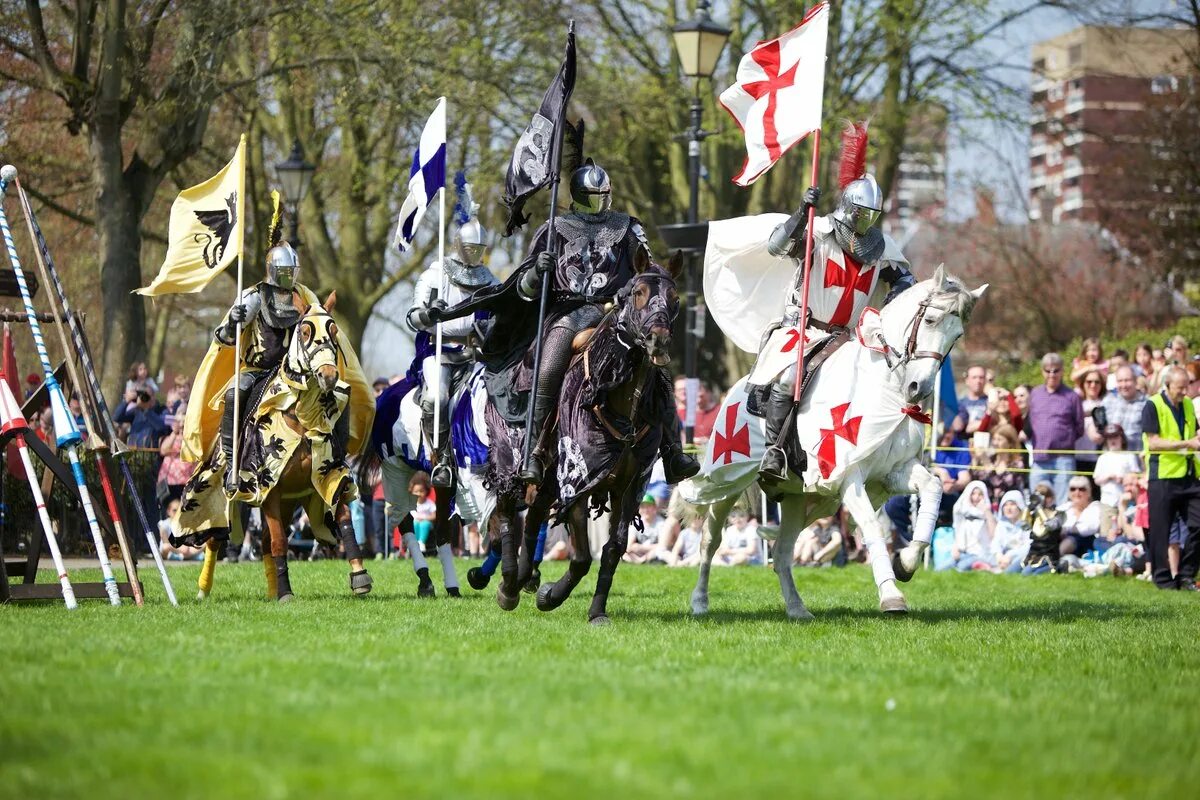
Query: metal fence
(18, 516)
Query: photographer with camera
(1169, 432)
(144, 415)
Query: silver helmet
(470, 242)
(283, 266)
(590, 189)
(860, 205)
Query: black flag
(533, 159)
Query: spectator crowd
(1052, 477)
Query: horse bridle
(895, 358)
(635, 434)
(622, 297)
(331, 345)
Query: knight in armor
(850, 256)
(596, 248)
(463, 274)
(268, 315)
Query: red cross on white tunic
(768, 58)
(793, 339)
(850, 279)
(827, 446)
(731, 441)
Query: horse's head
(314, 352)
(921, 326)
(648, 304)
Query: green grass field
(1002, 687)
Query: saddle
(756, 395)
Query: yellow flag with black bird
(206, 230)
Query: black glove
(529, 286)
(812, 196)
(545, 263)
(238, 314)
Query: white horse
(404, 452)
(861, 425)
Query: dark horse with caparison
(607, 433)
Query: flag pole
(437, 336)
(552, 249)
(808, 250)
(237, 333)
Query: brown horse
(293, 456)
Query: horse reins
(895, 358)
(631, 438)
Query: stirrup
(531, 473)
(441, 476)
(778, 471)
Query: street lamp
(699, 42)
(294, 176)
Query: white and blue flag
(428, 176)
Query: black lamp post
(699, 42)
(294, 175)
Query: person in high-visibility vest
(1172, 448)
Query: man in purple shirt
(1055, 422)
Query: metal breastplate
(589, 265)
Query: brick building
(1091, 88)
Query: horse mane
(955, 297)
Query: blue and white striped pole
(64, 424)
(101, 424)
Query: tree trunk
(123, 332)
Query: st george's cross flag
(427, 177)
(204, 235)
(776, 100)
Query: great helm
(590, 189)
(470, 242)
(283, 265)
(861, 202)
(860, 205)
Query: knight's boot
(677, 465)
(442, 474)
(228, 425)
(777, 413)
(556, 355)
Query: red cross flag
(777, 98)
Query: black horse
(607, 432)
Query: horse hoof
(894, 605)
(507, 602)
(452, 591)
(531, 585)
(903, 573)
(800, 615)
(425, 589)
(287, 598)
(544, 601)
(699, 606)
(477, 580)
(600, 621)
(360, 582)
(201, 595)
